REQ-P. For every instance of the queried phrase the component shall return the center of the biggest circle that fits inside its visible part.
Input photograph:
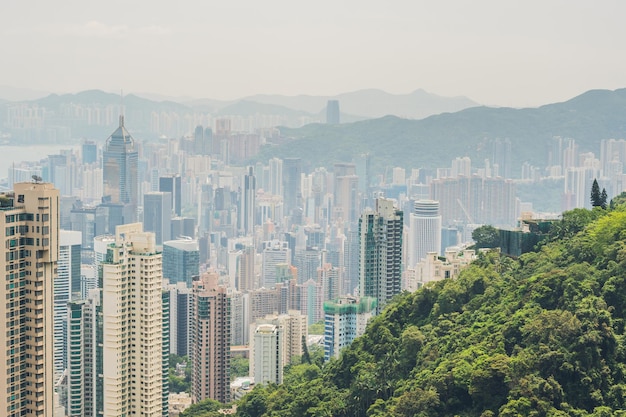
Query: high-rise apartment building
(66, 288)
(119, 164)
(83, 361)
(30, 218)
(267, 354)
(131, 338)
(210, 340)
(345, 319)
(180, 313)
(294, 330)
(274, 252)
(245, 274)
(424, 231)
(380, 252)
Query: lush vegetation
(239, 367)
(317, 328)
(542, 335)
(179, 383)
(205, 408)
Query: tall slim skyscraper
(172, 184)
(119, 163)
(30, 220)
(132, 333)
(333, 116)
(424, 231)
(210, 340)
(66, 288)
(248, 196)
(157, 215)
(380, 252)
(292, 187)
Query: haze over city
(294, 209)
(496, 53)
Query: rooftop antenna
(121, 108)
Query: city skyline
(496, 53)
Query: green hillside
(435, 141)
(539, 336)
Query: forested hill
(542, 335)
(434, 141)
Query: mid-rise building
(294, 330)
(267, 353)
(30, 218)
(345, 319)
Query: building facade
(210, 340)
(30, 218)
(132, 325)
(345, 319)
(380, 252)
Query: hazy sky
(502, 52)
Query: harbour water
(11, 154)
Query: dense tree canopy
(542, 335)
(486, 237)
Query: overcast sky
(514, 53)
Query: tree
(486, 237)
(596, 197)
(603, 198)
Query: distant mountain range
(434, 141)
(292, 111)
(391, 141)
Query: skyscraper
(248, 196)
(157, 215)
(131, 338)
(380, 252)
(66, 288)
(119, 163)
(82, 362)
(172, 184)
(181, 261)
(274, 252)
(424, 231)
(292, 187)
(210, 340)
(333, 116)
(30, 253)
